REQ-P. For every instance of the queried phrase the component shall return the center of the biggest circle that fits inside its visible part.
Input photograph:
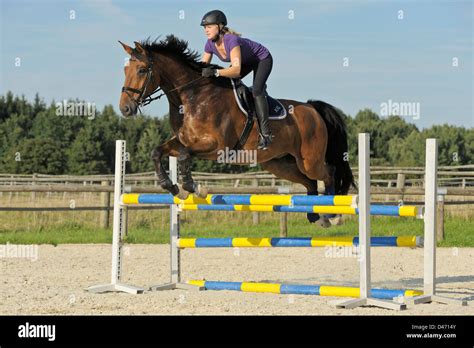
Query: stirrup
(264, 141)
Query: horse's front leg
(184, 164)
(169, 148)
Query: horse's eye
(142, 71)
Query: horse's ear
(139, 48)
(128, 49)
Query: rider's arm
(234, 70)
(206, 57)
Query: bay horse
(310, 143)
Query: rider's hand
(209, 72)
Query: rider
(246, 56)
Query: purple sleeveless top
(251, 51)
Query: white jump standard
(118, 228)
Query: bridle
(143, 100)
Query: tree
(37, 155)
(408, 151)
(86, 154)
(82, 145)
(452, 146)
(150, 138)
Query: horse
(310, 143)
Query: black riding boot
(261, 107)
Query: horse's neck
(182, 85)
(175, 75)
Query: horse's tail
(337, 148)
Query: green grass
(152, 227)
(66, 233)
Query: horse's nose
(126, 110)
(129, 109)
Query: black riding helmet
(214, 17)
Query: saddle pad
(276, 110)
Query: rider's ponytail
(227, 30)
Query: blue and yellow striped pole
(255, 203)
(320, 290)
(232, 199)
(384, 210)
(273, 203)
(400, 241)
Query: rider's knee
(258, 91)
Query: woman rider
(246, 56)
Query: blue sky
(402, 60)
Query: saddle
(244, 98)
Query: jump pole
(289, 242)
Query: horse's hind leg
(286, 168)
(319, 170)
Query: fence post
(33, 194)
(400, 184)
(65, 192)
(255, 215)
(10, 193)
(84, 194)
(283, 225)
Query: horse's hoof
(312, 217)
(324, 223)
(337, 221)
(201, 191)
(329, 216)
(182, 194)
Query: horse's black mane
(172, 44)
